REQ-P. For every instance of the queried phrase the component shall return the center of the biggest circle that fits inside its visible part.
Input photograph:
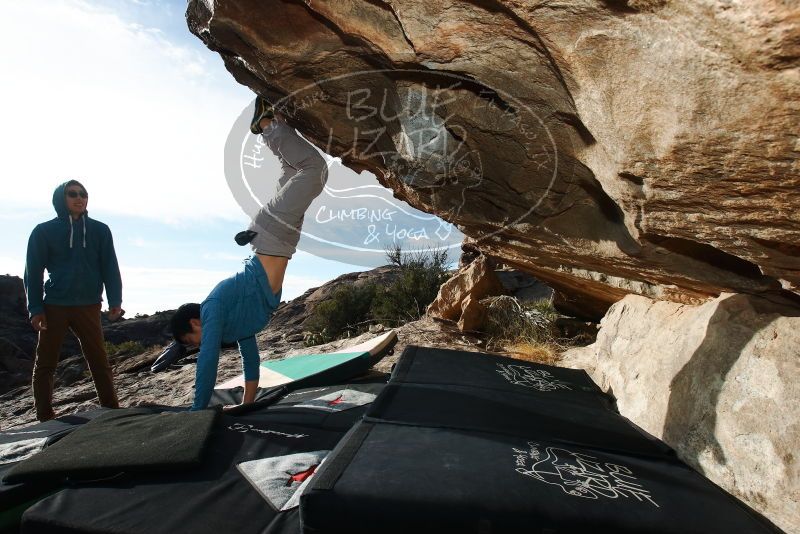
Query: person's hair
(180, 320)
(73, 182)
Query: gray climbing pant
(279, 223)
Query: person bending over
(240, 306)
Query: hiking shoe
(244, 237)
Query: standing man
(79, 256)
(241, 306)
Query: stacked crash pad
(121, 441)
(19, 444)
(456, 441)
(94, 446)
(254, 467)
(468, 442)
(290, 424)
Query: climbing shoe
(263, 109)
(244, 237)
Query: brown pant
(85, 323)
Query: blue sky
(119, 94)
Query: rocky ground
(18, 339)
(136, 385)
(736, 428)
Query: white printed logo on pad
(538, 379)
(580, 475)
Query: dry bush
(546, 353)
(525, 331)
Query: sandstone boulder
(718, 382)
(473, 314)
(460, 294)
(606, 147)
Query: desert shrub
(342, 315)
(123, 349)
(526, 330)
(548, 353)
(422, 272)
(351, 309)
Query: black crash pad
(214, 497)
(514, 413)
(134, 439)
(429, 365)
(401, 478)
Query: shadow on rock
(691, 417)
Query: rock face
(718, 382)
(18, 338)
(523, 286)
(458, 297)
(146, 330)
(607, 147)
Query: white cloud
(12, 266)
(221, 256)
(40, 213)
(140, 119)
(148, 289)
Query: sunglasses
(76, 194)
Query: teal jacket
(79, 257)
(236, 310)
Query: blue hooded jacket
(79, 257)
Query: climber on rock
(240, 306)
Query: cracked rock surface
(607, 147)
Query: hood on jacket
(60, 205)
(60, 198)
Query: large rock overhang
(607, 147)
